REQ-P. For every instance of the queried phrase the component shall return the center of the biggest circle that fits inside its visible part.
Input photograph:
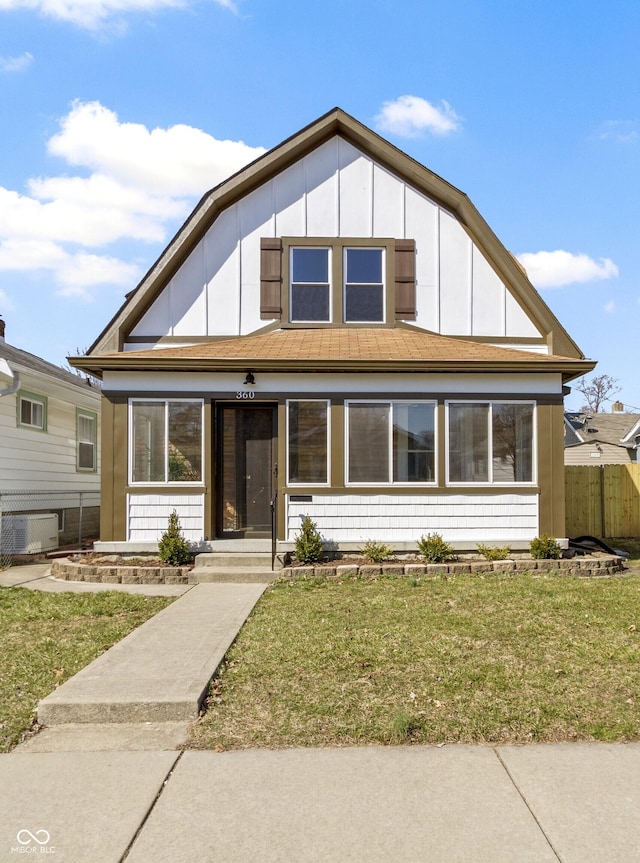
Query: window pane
(185, 441)
(148, 442)
(369, 442)
(364, 266)
(25, 412)
(308, 442)
(85, 455)
(310, 302)
(363, 303)
(310, 265)
(363, 285)
(468, 443)
(512, 443)
(413, 443)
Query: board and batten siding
(402, 518)
(148, 516)
(335, 191)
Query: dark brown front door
(245, 470)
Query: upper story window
(32, 410)
(310, 298)
(87, 439)
(490, 442)
(337, 280)
(165, 440)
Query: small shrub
(173, 548)
(309, 546)
(494, 552)
(544, 547)
(434, 549)
(376, 552)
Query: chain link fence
(37, 522)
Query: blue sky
(117, 115)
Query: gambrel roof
(336, 123)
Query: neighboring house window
(165, 440)
(32, 411)
(490, 442)
(390, 442)
(337, 280)
(308, 442)
(87, 440)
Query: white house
(337, 331)
(49, 452)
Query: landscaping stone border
(118, 574)
(584, 567)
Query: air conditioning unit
(28, 534)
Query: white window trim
(166, 482)
(390, 482)
(327, 482)
(92, 415)
(490, 483)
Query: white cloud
(180, 160)
(610, 307)
(410, 116)
(92, 14)
(141, 184)
(558, 268)
(6, 304)
(16, 64)
(622, 131)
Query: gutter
(6, 370)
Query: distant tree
(92, 379)
(596, 392)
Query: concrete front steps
(240, 564)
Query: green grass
(46, 638)
(476, 659)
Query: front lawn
(467, 658)
(47, 637)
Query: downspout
(6, 370)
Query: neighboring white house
(334, 332)
(49, 452)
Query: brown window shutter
(405, 279)
(270, 278)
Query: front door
(246, 436)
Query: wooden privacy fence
(602, 500)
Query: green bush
(309, 546)
(376, 552)
(544, 547)
(434, 549)
(173, 548)
(494, 552)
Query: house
(49, 453)
(335, 329)
(599, 438)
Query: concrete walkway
(79, 796)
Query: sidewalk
(74, 792)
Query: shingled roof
(337, 349)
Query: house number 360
(245, 394)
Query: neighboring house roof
(19, 359)
(617, 429)
(339, 348)
(336, 123)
